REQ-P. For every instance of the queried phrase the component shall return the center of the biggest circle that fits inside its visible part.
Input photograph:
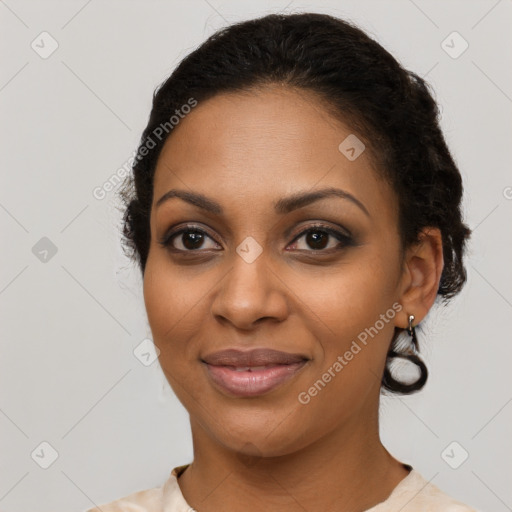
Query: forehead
(273, 141)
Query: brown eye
(188, 239)
(192, 239)
(318, 238)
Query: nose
(250, 292)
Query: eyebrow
(282, 206)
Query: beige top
(412, 494)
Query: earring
(412, 333)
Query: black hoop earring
(412, 333)
(388, 380)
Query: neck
(344, 470)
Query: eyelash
(345, 240)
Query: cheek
(161, 300)
(167, 302)
(173, 309)
(350, 299)
(171, 297)
(176, 307)
(351, 314)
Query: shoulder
(168, 497)
(416, 494)
(149, 500)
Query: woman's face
(254, 270)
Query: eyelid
(335, 231)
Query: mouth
(252, 381)
(252, 358)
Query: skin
(271, 452)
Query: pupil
(195, 238)
(314, 237)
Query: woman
(295, 212)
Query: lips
(252, 358)
(251, 373)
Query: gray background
(70, 321)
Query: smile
(250, 381)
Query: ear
(422, 270)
